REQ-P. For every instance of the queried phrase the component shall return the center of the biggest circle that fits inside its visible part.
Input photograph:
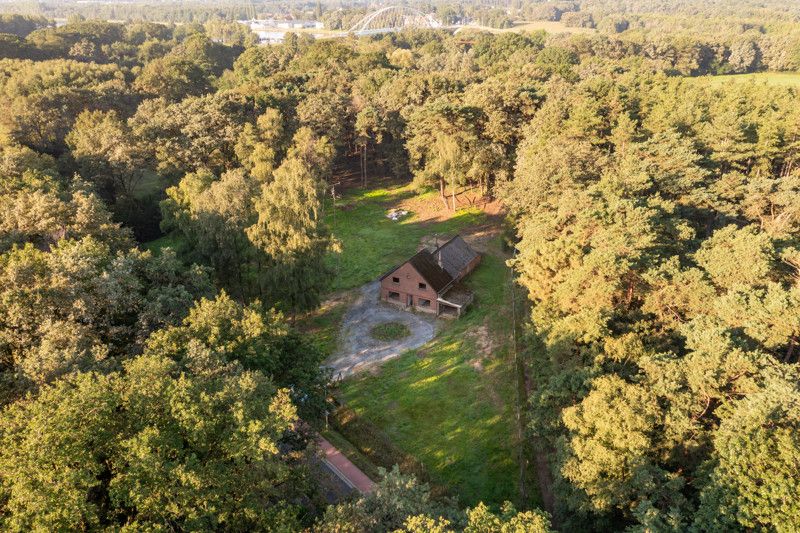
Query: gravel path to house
(360, 350)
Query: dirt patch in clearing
(483, 238)
(485, 346)
(425, 209)
(431, 208)
(483, 340)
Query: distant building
(273, 31)
(430, 280)
(300, 24)
(271, 37)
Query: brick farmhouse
(430, 280)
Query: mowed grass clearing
(450, 404)
(371, 243)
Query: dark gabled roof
(454, 256)
(436, 276)
(443, 266)
(425, 264)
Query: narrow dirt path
(537, 447)
(532, 448)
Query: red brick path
(344, 469)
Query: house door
(410, 301)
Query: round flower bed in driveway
(390, 331)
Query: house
(430, 281)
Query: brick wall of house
(408, 285)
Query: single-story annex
(430, 280)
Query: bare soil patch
(429, 208)
(483, 340)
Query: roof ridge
(448, 241)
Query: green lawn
(372, 243)
(323, 323)
(171, 240)
(352, 453)
(786, 79)
(450, 404)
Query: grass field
(530, 26)
(782, 79)
(171, 240)
(450, 404)
(372, 243)
(548, 26)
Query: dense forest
(655, 220)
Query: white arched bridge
(394, 18)
(385, 20)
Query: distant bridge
(393, 18)
(385, 20)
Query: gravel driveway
(359, 349)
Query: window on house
(423, 286)
(396, 280)
(394, 295)
(424, 303)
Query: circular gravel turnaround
(360, 350)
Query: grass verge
(354, 454)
